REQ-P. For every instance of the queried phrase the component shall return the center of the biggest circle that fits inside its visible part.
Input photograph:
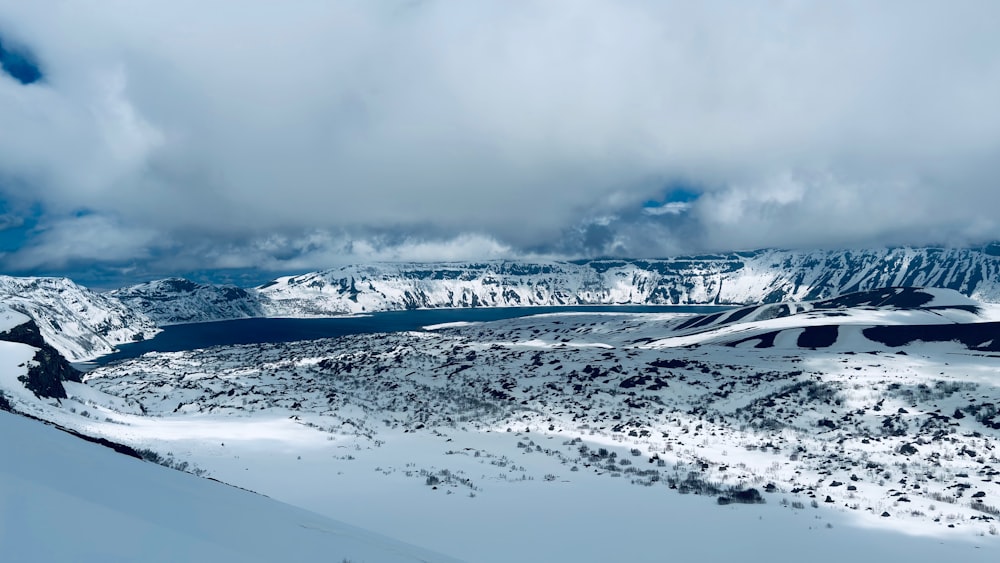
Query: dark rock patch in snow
(822, 336)
(975, 336)
(49, 367)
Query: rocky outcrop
(48, 369)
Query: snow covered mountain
(741, 278)
(176, 300)
(767, 276)
(80, 323)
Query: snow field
(591, 437)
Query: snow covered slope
(10, 318)
(739, 278)
(886, 316)
(177, 300)
(64, 499)
(80, 323)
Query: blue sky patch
(16, 227)
(19, 64)
(674, 194)
(677, 199)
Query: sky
(140, 138)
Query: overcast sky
(197, 135)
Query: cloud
(245, 132)
(669, 208)
(321, 249)
(83, 240)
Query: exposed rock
(177, 300)
(48, 368)
(80, 323)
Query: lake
(254, 331)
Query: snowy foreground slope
(80, 323)
(766, 276)
(868, 425)
(64, 499)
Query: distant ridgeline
(739, 278)
(82, 324)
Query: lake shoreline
(256, 330)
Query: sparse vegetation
(859, 432)
(169, 461)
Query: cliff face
(177, 300)
(742, 278)
(78, 322)
(738, 278)
(48, 369)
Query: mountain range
(741, 278)
(84, 324)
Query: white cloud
(221, 124)
(669, 208)
(323, 249)
(83, 240)
(128, 136)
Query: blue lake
(254, 331)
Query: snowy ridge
(176, 300)
(79, 323)
(767, 276)
(872, 315)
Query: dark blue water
(254, 331)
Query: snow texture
(80, 323)
(10, 318)
(64, 499)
